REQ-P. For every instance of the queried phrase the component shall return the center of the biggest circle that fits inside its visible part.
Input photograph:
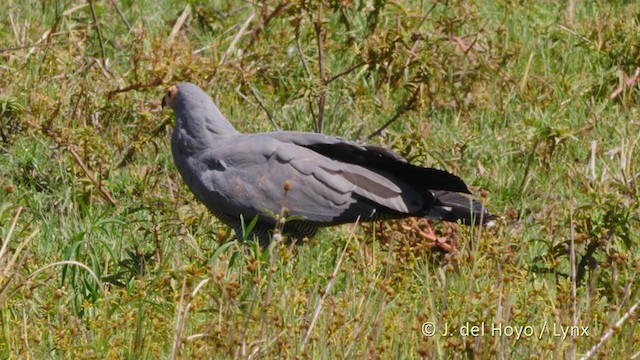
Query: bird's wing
(247, 175)
(348, 149)
(373, 157)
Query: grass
(106, 254)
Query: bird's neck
(197, 130)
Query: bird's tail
(452, 206)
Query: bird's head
(186, 95)
(170, 96)
(195, 111)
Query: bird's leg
(292, 242)
(428, 233)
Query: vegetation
(106, 254)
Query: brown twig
(527, 168)
(347, 71)
(322, 95)
(97, 25)
(130, 150)
(266, 19)
(105, 194)
(6, 286)
(137, 86)
(179, 23)
(612, 330)
(625, 82)
(58, 139)
(464, 47)
(177, 333)
(404, 108)
(266, 110)
(46, 37)
(300, 54)
(33, 46)
(313, 113)
(237, 38)
(305, 66)
(124, 19)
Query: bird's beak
(169, 96)
(164, 101)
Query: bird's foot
(422, 227)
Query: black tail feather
(451, 206)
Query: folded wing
(249, 175)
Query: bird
(316, 180)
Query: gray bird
(320, 180)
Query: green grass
(112, 257)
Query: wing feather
(373, 157)
(250, 176)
